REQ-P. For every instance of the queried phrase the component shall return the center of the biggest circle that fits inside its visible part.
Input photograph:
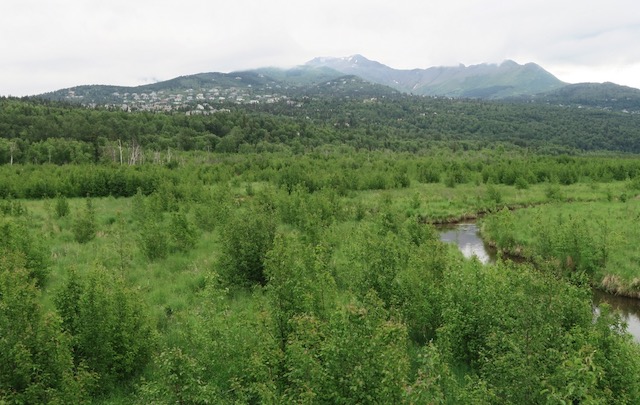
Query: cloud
(61, 43)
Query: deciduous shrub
(107, 321)
(246, 239)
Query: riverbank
(474, 216)
(610, 283)
(594, 238)
(466, 236)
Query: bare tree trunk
(120, 147)
(134, 155)
(12, 147)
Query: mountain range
(358, 76)
(489, 81)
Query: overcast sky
(47, 45)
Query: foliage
(590, 239)
(213, 211)
(246, 239)
(436, 383)
(12, 208)
(222, 355)
(154, 240)
(183, 234)
(365, 354)
(36, 364)
(61, 206)
(487, 330)
(35, 131)
(357, 357)
(300, 267)
(493, 194)
(500, 229)
(122, 243)
(84, 224)
(16, 239)
(381, 256)
(419, 292)
(299, 283)
(109, 327)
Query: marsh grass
(608, 230)
(183, 290)
(169, 283)
(435, 202)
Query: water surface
(628, 308)
(467, 238)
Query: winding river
(466, 237)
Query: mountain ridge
(492, 81)
(605, 95)
(358, 76)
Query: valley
(270, 237)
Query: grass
(168, 281)
(180, 288)
(435, 202)
(608, 228)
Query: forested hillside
(37, 132)
(606, 96)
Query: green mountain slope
(487, 81)
(207, 91)
(508, 81)
(597, 95)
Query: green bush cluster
(109, 327)
(36, 356)
(310, 287)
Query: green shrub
(553, 192)
(61, 206)
(154, 240)
(84, 225)
(17, 239)
(246, 239)
(494, 194)
(36, 364)
(521, 183)
(108, 323)
(182, 232)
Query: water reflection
(467, 238)
(628, 308)
(468, 241)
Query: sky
(46, 45)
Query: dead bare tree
(120, 147)
(134, 153)
(12, 148)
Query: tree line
(36, 131)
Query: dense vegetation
(42, 132)
(596, 239)
(606, 95)
(300, 265)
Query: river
(467, 238)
